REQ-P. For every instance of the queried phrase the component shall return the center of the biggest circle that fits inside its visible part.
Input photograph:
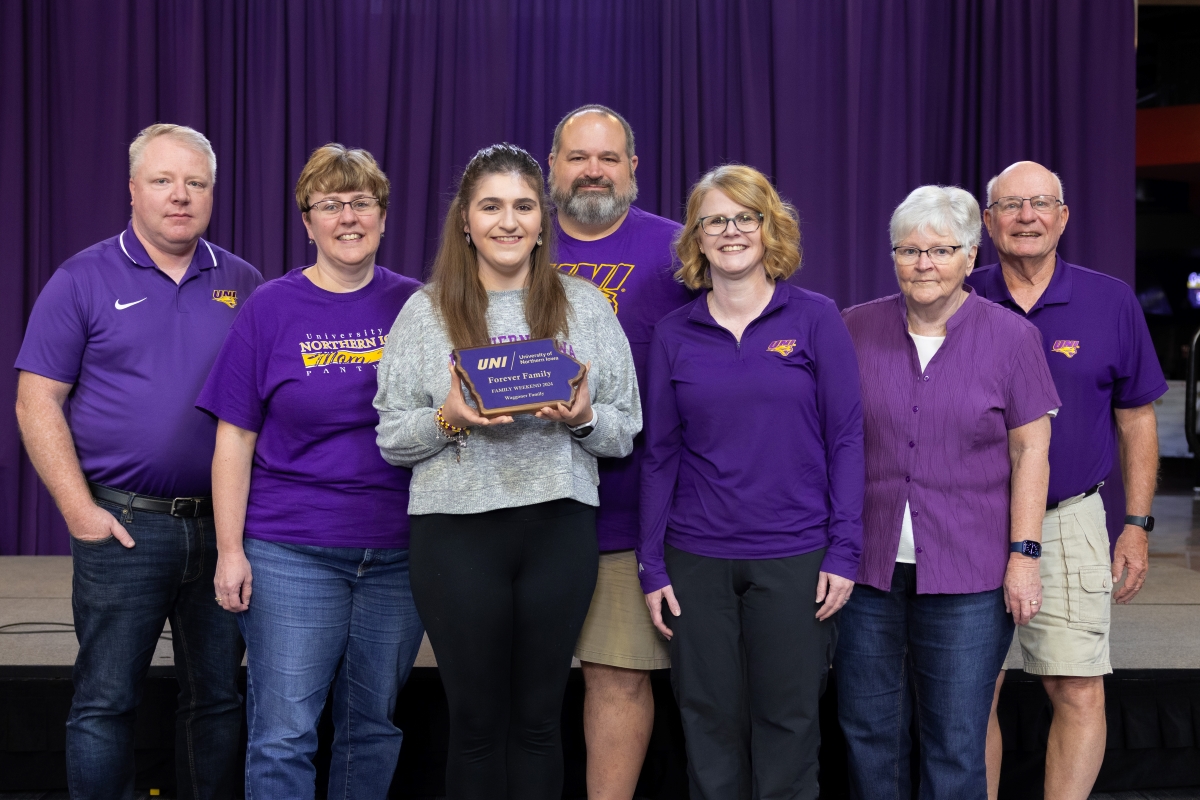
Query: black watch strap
(1146, 523)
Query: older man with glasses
(1106, 372)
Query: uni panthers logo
(782, 346)
(226, 296)
(608, 278)
(1068, 347)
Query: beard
(594, 208)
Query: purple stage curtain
(848, 105)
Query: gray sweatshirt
(527, 461)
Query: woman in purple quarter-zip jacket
(956, 404)
(752, 491)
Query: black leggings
(503, 596)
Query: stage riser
(1154, 720)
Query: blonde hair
(188, 137)
(748, 187)
(336, 168)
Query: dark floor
(1153, 794)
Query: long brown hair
(457, 291)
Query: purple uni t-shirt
(136, 347)
(634, 268)
(299, 369)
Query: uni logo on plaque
(518, 377)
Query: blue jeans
(936, 653)
(120, 599)
(322, 615)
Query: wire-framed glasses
(363, 206)
(1040, 203)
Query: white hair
(992, 185)
(188, 137)
(944, 210)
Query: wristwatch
(584, 430)
(1145, 523)
(1027, 548)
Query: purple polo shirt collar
(202, 258)
(1057, 292)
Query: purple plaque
(518, 377)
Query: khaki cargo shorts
(618, 631)
(1069, 636)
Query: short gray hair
(946, 210)
(593, 108)
(188, 137)
(992, 185)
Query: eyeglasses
(1040, 203)
(363, 206)
(941, 255)
(746, 222)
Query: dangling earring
(468, 239)
(539, 241)
(310, 241)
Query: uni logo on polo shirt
(1068, 347)
(226, 296)
(782, 346)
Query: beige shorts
(1069, 635)
(618, 631)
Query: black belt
(189, 507)
(1088, 493)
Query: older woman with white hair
(956, 403)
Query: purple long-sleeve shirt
(753, 449)
(938, 439)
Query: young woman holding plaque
(503, 546)
(752, 491)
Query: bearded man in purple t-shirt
(127, 331)
(1106, 372)
(628, 254)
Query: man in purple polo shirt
(1106, 372)
(127, 331)
(627, 253)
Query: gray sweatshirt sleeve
(407, 430)
(612, 381)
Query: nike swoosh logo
(122, 306)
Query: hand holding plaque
(519, 377)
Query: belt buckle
(191, 509)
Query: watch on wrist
(583, 431)
(1145, 523)
(1027, 548)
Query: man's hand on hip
(1133, 553)
(92, 523)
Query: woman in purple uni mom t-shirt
(312, 529)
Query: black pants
(748, 662)
(503, 596)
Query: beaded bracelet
(453, 433)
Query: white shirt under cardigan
(527, 461)
(907, 554)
